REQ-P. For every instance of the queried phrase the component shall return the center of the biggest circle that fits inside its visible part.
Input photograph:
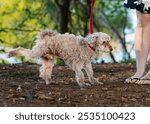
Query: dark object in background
(140, 5)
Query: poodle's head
(100, 41)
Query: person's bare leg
(142, 54)
(141, 47)
(145, 46)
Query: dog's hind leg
(89, 71)
(20, 51)
(46, 68)
(36, 52)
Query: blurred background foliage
(20, 20)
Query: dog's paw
(87, 84)
(100, 83)
(95, 81)
(48, 81)
(84, 85)
(14, 52)
(10, 54)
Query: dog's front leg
(80, 79)
(89, 71)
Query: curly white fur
(74, 50)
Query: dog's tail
(42, 34)
(38, 51)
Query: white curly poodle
(76, 51)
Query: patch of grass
(129, 61)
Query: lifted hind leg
(37, 51)
(20, 51)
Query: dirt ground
(20, 85)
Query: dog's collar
(92, 47)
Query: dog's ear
(91, 38)
(96, 38)
(105, 38)
(83, 42)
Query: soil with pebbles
(20, 85)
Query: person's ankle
(138, 75)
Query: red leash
(91, 22)
(91, 16)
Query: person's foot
(132, 80)
(144, 80)
(135, 78)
